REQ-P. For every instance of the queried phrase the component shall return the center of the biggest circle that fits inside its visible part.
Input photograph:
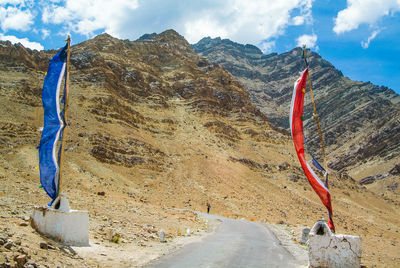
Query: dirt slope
(156, 127)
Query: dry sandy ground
(138, 231)
(244, 177)
(138, 245)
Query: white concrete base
(326, 249)
(70, 227)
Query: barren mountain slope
(361, 121)
(155, 127)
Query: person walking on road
(208, 208)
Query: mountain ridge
(155, 130)
(350, 112)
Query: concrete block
(59, 222)
(326, 249)
(161, 234)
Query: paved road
(235, 243)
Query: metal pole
(65, 113)
(315, 115)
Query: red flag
(296, 128)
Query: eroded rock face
(152, 124)
(395, 170)
(360, 121)
(371, 179)
(109, 77)
(124, 151)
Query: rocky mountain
(155, 131)
(360, 121)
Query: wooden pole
(65, 113)
(315, 115)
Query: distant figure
(208, 208)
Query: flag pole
(65, 112)
(315, 115)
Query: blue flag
(54, 124)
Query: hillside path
(235, 243)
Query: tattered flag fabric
(296, 128)
(54, 123)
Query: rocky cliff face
(153, 127)
(360, 121)
(147, 116)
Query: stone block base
(326, 249)
(70, 227)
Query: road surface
(235, 243)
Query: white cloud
(364, 44)
(298, 20)
(11, 2)
(45, 33)
(309, 40)
(204, 27)
(14, 18)
(24, 41)
(87, 16)
(246, 21)
(241, 21)
(267, 47)
(360, 12)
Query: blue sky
(361, 38)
